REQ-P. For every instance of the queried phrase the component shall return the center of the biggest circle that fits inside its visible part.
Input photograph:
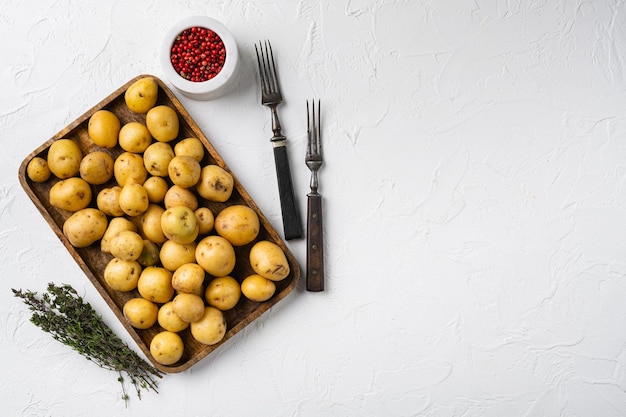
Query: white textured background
(474, 195)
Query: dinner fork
(272, 97)
(315, 238)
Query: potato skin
(38, 170)
(85, 227)
(223, 293)
(122, 275)
(238, 224)
(168, 319)
(140, 313)
(64, 158)
(167, 347)
(96, 167)
(142, 95)
(71, 194)
(129, 168)
(215, 184)
(103, 128)
(257, 288)
(108, 201)
(211, 328)
(216, 255)
(268, 260)
(155, 284)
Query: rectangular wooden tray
(93, 261)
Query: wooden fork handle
(315, 244)
(291, 218)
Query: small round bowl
(213, 87)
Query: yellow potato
(108, 201)
(184, 171)
(115, 226)
(151, 223)
(149, 253)
(215, 255)
(157, 157)
(140, 313)
(206, 220)
(134, 199)
(179, 196)
(129, 168)
(96, 167)
(268, 260)
(64, 158)
(168, 319)
(223, 293)
(134, 137)
(173, 255)
(179, 224)
(189, 307)
(190, 147)
(71, 194)
(142, 95)
(167, 347)
(122, 275)
(104, 128)
(238, 224)
(38, 170)
(157, 188)
(188, 278)
(85, 227)
(162, 122)
(256, 288)
(211, 328)
(215, 183)
(126, 245)
(155, 284)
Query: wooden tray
(92, 261)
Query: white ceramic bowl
(214, 87)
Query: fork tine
(274, 86)
(314, 129)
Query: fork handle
(291, 218)
(315, 244)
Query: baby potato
(184, 171)
(64, 158)
(85, 227)
(128, 168)
(179, 224)
(115, 226)
(215, 255)
(134, 199)
(122, 275)
(134, 137)
(38, 170)
(179, 196)
(189, 307)
(215, 183)
(238, 224)
(167, 347)
(268, 260)
(206, 220)
(108, 201)
(223, 293)
(71, 194)
(157, 188)
(188, 278)
(103, 128)
(142, 95)
(155, 284)
(162, 122)
(157, 157)
(168, 319)
(140, 313)
(256, 288)
(96, 167)
(173, 255)
(190, 147)
(149, 254)
(126, 245)
(151, 223)
(211, 328)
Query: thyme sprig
(72, 321)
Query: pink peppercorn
(198, 54)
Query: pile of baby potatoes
(176, 254)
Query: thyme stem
(72, 321)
